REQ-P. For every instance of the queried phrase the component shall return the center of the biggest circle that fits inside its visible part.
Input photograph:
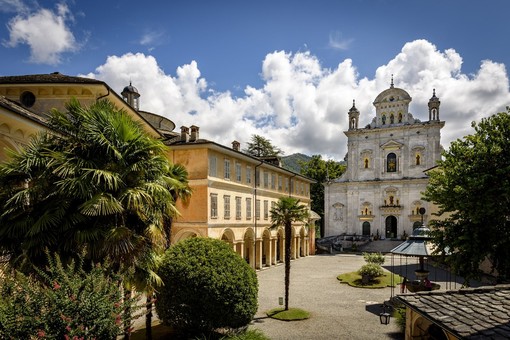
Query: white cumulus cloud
(46, 33)
(302, 106)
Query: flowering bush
(371, 270)
(62, 302)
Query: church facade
(380, 192)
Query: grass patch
(353, 279)
(293, 314)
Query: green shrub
(61, 302)
(371, 270)
(206, 286)
(375, 258)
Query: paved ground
(338, 311)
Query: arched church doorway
(391, 227)
(417, 225)
(365, 228)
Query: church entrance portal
(366, 228)
(391, 227)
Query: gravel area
(338, 311)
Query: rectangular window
(214, 206)
(227, 168)
(212, 166)
(286, 185)
(266, 179)
(302, 188)
(248, 208)
(248, 174)
(280, 183)
(238, 208)
(257, 209)
(226, 206)
(266, 209)
(273, 181)
(238, 172)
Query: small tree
(206, 286)
(262, 147)
(287, 211)
(321, 171)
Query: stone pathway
(338, 311)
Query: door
(391, 227)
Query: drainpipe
(255, 212)
(106, 95)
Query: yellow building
(232, 191)
(233, 194)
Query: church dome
(393, 94)
(130, 89)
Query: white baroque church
(380, 192)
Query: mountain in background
(293, 162)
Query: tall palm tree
(286, 211)
(98, 182)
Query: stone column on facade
(258, 254)
(272, 242)
(240, 248)
(252, 260)
(268, 251)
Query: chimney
(236, 145)
(194, 133)
(184, 134)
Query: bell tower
(434, 107)
(131, 96)
(353, 116)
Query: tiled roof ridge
(54, 77)
(466, 290)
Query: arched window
(383, 119)
(391, 162)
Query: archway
(184, 234)
(249, 247)
(228, 237)
(391, 227)
(280, 246)
(266, 248)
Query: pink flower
(56, 285)
(68, 328)
(66, 337)
(41, 333)
(117, 319)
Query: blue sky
(287, 70)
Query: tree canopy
(262, 147)
(321, 171)
(471, 187)
(97, 182)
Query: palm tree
(286, 211)
(98, 183)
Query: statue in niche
(337, 212)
